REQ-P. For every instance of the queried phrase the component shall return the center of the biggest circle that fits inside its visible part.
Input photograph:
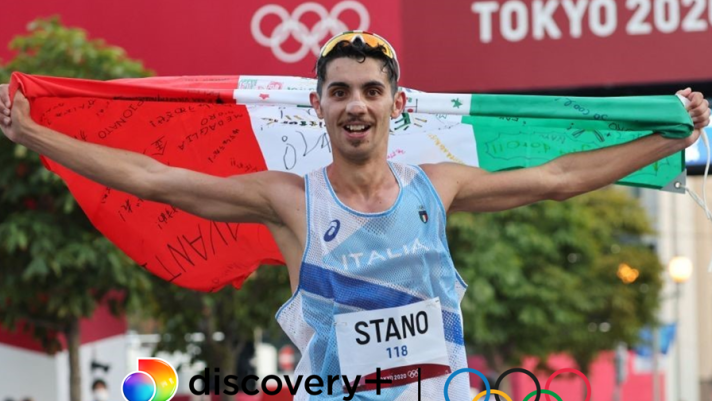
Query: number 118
(397, 352)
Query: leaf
(37, 267)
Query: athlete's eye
(373, 92)
(338, 93)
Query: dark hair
(359, 51)
(98, 382)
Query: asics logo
(330, 234)
(291, 26)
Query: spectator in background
(99, 391)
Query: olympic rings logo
(538, 392)
(291, 26)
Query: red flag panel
(189, 122)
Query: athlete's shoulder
(434, 171)
(406, 168)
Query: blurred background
(614, 283)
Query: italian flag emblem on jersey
(423, 216)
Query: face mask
(101, 395)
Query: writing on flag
(197, 123)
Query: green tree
(235, 314)
(621, 309)
(542, 278)
(56, 268)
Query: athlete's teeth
(356, 127)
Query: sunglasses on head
(368, 38)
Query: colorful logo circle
(155, 380)
(139, 386)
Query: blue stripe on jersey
(332, 285)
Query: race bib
(397, 340)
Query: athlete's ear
(398, 104)
(316, 104)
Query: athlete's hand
(4, 105)
(699, 110)
(14, 116)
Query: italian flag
(231, 125)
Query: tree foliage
(56, 268)
(53, 49)
(543, 278)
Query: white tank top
(359, 262)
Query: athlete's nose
(356, 105)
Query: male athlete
(364, 239)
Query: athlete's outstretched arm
(244, 198)
(464, 188)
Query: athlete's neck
(369, 187)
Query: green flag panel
(514, 131)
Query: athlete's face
(357, 104)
